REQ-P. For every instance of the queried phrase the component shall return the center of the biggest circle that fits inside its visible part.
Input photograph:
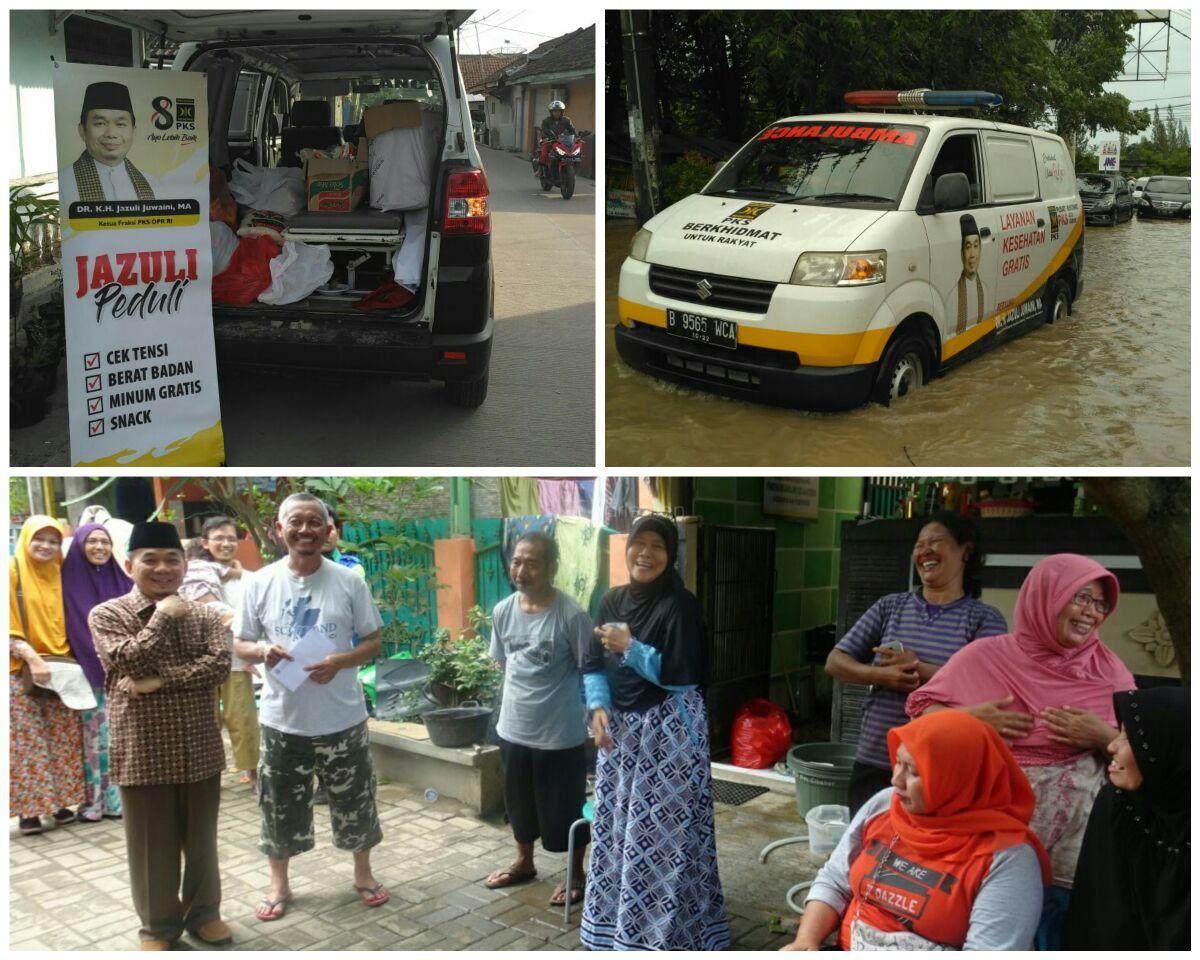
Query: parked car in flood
(1166, 197)
(1106, 197)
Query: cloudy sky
(490, 28)
(1176, 88)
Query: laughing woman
(91, 575)
(45, 745)
(1133, 888)
(653, 883)
(1048, 689)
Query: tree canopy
(725, 74)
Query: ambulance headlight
(1104, 203)
(641, 241)
(840, 269)
(1188, 206)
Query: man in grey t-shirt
(540, 635)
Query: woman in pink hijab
(1047, 688)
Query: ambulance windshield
(824, 164)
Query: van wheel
(1059, 305)
(905, 367)
(467, 393)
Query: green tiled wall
(807, 553)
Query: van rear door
(208, 25)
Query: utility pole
(642, 106)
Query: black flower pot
(27, 407)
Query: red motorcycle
(564, 154)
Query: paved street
(541, 400)
(69, 886)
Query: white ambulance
(851, 257)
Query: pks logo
(750, 211)
(183, 117)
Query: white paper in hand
(311, 648)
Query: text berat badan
(145, 268)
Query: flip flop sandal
(375, 896)
(267, 909)
(30, 826)
(514, 877)
(64, 816)
(558, 897)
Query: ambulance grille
(728, 293)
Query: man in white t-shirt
(321, 726)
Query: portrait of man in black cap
(966, 303)
(107, 127)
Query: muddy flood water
(1108, 387)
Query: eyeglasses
(1085, 599)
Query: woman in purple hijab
(90, 575)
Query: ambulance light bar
(938, 99)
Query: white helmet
(557, 105)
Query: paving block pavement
(69, 886)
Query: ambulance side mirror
(951, 192)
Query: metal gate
(402, 578)
(737, 586)
(491, 578)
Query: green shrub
(686, 176)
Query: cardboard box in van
(336, 186)
(392, 116)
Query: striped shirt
(933, 632)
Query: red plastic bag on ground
(248, 273)
(761, 734)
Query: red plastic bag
(762, 734)
(248, 273)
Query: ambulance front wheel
(1059, 306)
(904, 368)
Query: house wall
(807, 557)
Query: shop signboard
(137, 266)
(794, 497)
(1110, 157)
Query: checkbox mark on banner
(91, 361)
(93, 384)
(95, 427)
(95, 404)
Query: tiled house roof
(572, 52)
(479, 68)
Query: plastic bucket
(822, 772)
(826, 824)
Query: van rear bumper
(395, 348)
(655, 352)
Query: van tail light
(467, 211)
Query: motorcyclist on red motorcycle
(556, 122)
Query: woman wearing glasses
(1047, 688)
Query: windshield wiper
(753, 191)
(846, 197)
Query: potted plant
(26, 213)
(462, 669)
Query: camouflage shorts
(285, 790)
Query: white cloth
(72, 687)
(407, 261)
(400, 162)
(278, 607)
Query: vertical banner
(1110, 156)
(137, 266)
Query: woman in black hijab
(1133, 882)
(654, 883)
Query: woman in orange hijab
(45, 738)
(942, 859)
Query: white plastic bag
(224, 243)
(298, 270)
(406, 262)
(268, 188)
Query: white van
(842, 258)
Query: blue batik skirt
(653, 883)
